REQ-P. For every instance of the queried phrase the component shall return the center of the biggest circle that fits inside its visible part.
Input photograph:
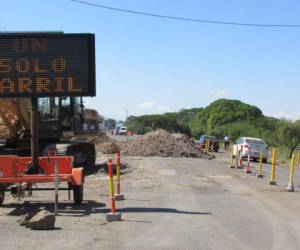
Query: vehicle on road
(213, 142)
(252, 145)
(121, 129)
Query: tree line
(222, 117)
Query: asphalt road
(170, 204)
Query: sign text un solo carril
(25, 66)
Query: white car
(123, 131)
(252, 145)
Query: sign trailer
(46, 64)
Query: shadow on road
(104, 168)
(64, 209)
(86, 208)
(156, 210)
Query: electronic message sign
(47, 64)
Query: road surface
(170, 204)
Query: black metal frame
(38, 189)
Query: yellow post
(118, 195)
(231, 165)
(206, 146)
(208, 143)
(273, 170)
(260, 167)
(118, 166)
(290, 186)
(111, 185)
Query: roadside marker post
(240, 166)
(273, 170)
(113, 215)
(237, 157)
(231, 165)
(206, 147)
(118, 195)
(248, 168)
(260, 167)
(290, 187)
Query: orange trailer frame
(13, 171)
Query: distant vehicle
(122, 131)
(255, 144)
(214, 142)
(118, 128)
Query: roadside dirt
(161, 143)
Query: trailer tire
(2, 196)
(78, 194)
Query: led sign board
(47, 64)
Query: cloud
(146, 105)
(150, 107)
(217, 94)
(290, 116)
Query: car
(123, 131)
(252, 145)
(214, 142)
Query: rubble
(161, 143)
(102, 137)
(43, 220)
(107, 148)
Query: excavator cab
(62, 117)
(64, 125)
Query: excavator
(64, 125)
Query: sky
(147, 65)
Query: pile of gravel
(102, 137)
(161, 143)
(107, 148)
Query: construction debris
(43, 220)
(161, 143)
(102, 137)
(107, 148)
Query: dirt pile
(105, 144)
(102, 137)
(107, 148)
(161, 143)
(4, 131)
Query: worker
(227, 143)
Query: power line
(186, 18)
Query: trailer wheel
(2, 196)
(78, 194)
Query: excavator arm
(15, 114)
